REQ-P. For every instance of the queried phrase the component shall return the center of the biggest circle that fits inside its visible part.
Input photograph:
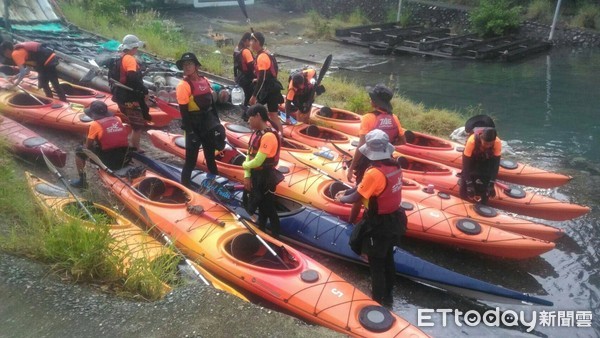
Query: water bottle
(237, 96)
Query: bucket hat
(381, 96)
(187, 57)
(377, 146)
(97, 110)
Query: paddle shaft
(242, 5)
(243, 221)
(170, 243)
(64, 182)
(23, 90)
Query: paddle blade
(324, 69)
(242, 4)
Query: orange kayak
(24, 141)
(436, 149)
(85, 96)
(509, 198)
(51, 113)
(335, 168)
(424, 222)
(298, 284)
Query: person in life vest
(199, 117)
(267, 89)
(107, 138)
(39, 57)
(261, 176)
(132, 101)
(381, 118)
(481, 162)
(384, 220)
(301, 94)
(243, 66)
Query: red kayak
(85, 96)
(439, 150)
(24, 141)
(335, 168)
(428, 223)
(509, 198)
(210, 235)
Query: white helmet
(130, 42)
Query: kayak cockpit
(29, 100)
(76, 91)
(337, 114)
(314, 131)
(160, 191)
(246, 248)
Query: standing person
(243, 66)
(384, 220)
(132, 103)
(300, 95)
(260, 176)
(41, 58)
(382, 118)
(107, 138)
(267, 89)
(480, 164)
(199, 117)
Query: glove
(320, 90)
(491, 191)
(470, 190)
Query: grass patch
(346, 94)
(587, 16)
(540, 10)
(73, 247)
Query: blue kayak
(317, 230)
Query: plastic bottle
(237, 96)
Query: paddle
(62, 180)
(193, 209)
(170, 244)
(242, 4)
(221, 193)
(320, 77)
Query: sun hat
(187, 57)
(381, 96)
(130, 42)
(377, 146)
(97, 110)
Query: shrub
(540, 10)
(588, 16)
(495, 17)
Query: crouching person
(107, 138)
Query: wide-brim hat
(381, 96)
(187, 57)
(377, 146)
(130, 42)
(97, 110)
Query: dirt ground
(37, 303)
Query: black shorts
(272, 101)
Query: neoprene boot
(80, 183)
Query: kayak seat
(152, 187)
(326, 112)
(246, 248)
(312, 131)
(237, 159)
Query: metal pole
(399, 9)
(554, 20)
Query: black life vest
(114, 135)
(240, 67)
(37, 53)
(478, 152)
(389, 200)
(387, 124)
(201, 99)
(254, 147)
